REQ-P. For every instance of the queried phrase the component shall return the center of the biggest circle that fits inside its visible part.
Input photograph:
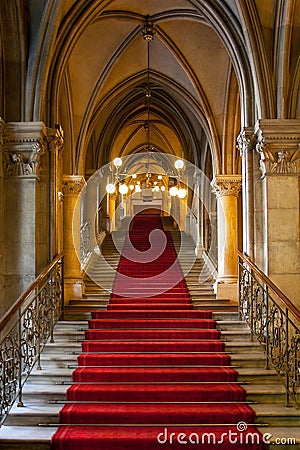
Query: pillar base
(227, 290)
(73, 289)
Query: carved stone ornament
(229, 185)
(246, 140)
(72, 185)
(55, 139)
(23, 146)
(22, 160)
(279, 148)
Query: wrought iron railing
(274, 321)
(24, 331)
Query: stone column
(278, 144)
(246, 145)
(111, 210)
(227, 188)
(26, 246)
(55, 140)
(71, 188)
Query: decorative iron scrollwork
(273, 326)
(27, 333)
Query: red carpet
(153, 372)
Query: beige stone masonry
(25, 203)
(227, 188)
(72, 186)
(278, 144)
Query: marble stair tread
(274, 414)
(25, 434)
(257, 375)
(42, 435)
(242, 347)
(38, 390)
(275, 410)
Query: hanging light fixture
(148, 33)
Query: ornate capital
(278, 143)
(246, 140)
(229, 185)
(55, 139)
(23, 145)
(72, 185)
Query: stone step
(54, 361)
(275, 415)
(266, 393)
(38, 412)
(258, 375)
(25, 437)
(38, 438)
(89, 301)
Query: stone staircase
(31, 427)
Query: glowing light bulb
(173, 191)
(117, 162)
(123, 189)
(179, 164)
(181, 193)
(110, 188)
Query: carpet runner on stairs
(153, 372)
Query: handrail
(25, 330)
(26, 294)
(274, 321)
(291, 307)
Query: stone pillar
(111, 210)
(26, 207)
(55, 140)
(279, 149)
(227, 188)
(246, 145)
(71, 188)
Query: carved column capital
(55, 139)
(23, 145)
(72, 185)
(278, 143)
(246, 140)
(226, 185)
